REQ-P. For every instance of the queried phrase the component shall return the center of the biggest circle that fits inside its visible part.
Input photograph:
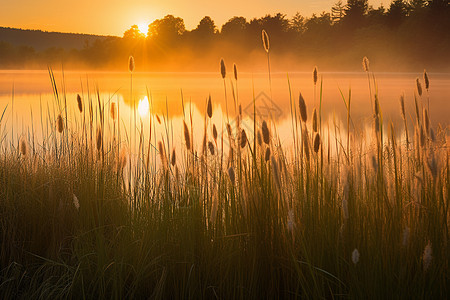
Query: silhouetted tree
(337, 12)
(297, 24)
(355, 11)
(397, 13)
(133, 33)
(168, 28)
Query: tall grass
(371, 221)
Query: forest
(405, 35)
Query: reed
(216, 225)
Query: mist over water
(29, 94)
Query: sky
(113, 17)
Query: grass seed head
(99, 138)
(80, 104)
(365, 64)
(131, 65)
(259, 138)
(211, 147)
(187, 137)
(23, 146)
(174, 157)
(215, 133)
(265, 133)
(243, 140)
(112, 111)
(315, 75)
(426, 120)
(317, 142)
(302, 106)
(76, 203)
(402, 107)
(235, 71)
(267, 155)
(419, 86)
(209, 108)
(265, 40)
(60, 124)
(426, 80)
(314, 121)
(231, 174)
(223, 70)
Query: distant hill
(41, 40)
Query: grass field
(96, 210)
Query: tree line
(407, 32)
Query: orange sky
(113, 17)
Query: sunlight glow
(143, 107)
(143, 28)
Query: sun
(143, 107)
(143, 28)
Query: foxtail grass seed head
(314, 121)
(174, 158)
(426, 120)
(243, 141)
(211, 147)
(187, 137)
(355, 256)
(426, 80)
(267, 155)
(235, 71)
(265, 133)
(131, 65)
(427, 256)
(112, 111)
(417, 109)
(419, 86)
(229, 131)
(215, 132)
(99, 138)
(76, 203)
(365, 64)
(23, 146)
(209, 107)
(422, 136)
(265, 40)
(376, 105)
(161, 151)
(231, 174)
(302, 106)
(60, 124)
(276, 174)
(259, 138)
(402, 107)
(315, 75)
(306, 143)
(223, 70)
(80, 104)
(317, 142)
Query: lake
(28, 95)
